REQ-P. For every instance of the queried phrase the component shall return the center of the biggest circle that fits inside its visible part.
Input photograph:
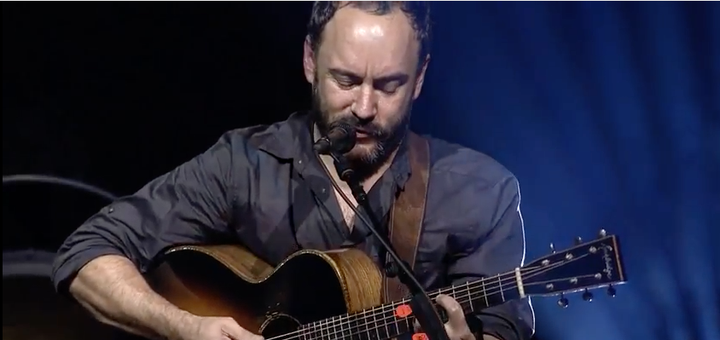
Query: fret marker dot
(419, 336)
(404, 311)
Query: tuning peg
(611, 291)
(563, 302)
(552, 248)
(587, 296)
(602, 233)
(578, 240)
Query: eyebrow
(395, 76)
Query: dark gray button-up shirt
(265, 188)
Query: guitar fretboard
(382, 322)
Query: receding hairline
(419, 21)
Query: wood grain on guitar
(337, 294)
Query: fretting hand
(456, 327)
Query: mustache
(368, 128)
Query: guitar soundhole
(278, 324)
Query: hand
(217, 328)
(456, 327)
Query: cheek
(334, 99)
(391, 109)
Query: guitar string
(341, 321)
(367, 329)
(334, 324)
(467, 291)
(311, 329)
(342, 331)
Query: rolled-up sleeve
(498, 248)
(187, 205)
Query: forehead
(368, 43)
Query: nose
(365, 105)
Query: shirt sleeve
(187, 205)
(497, 250)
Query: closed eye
(346, 82)
(388, 84)
(389, 87)
(345, 79)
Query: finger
(233, 330)
(456, 316)
(450, 332)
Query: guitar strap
(406, 215)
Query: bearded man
(264, 187)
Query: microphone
(340, 139)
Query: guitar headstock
(583, 267)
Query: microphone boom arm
(420, 303)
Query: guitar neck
(479, 294)
(382, 322)
(585, 266)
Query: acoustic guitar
(337, 294)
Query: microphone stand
(420, 303)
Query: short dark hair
(417, 11)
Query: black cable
(48, 179)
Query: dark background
(608, 113)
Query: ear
(308, 61)
(421, 77)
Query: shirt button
(111, 209)
(300, 162)
(323, 190)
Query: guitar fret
(366, 324)
(385, 319)
(401, 323)
(303, 329)
(455, 296)
(321, 328)
(338, 328)
(350, 330)
(313, 329)
(467, 291)
(395, 320)
(355, 328)
(325, 329)
(502, 294)
(342, 331)
(333, 333)
(375, 324)
(408, 327)
(487, 303)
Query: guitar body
(228, 280)
(312, 285)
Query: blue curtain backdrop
(609, 115)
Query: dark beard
(386, 141)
